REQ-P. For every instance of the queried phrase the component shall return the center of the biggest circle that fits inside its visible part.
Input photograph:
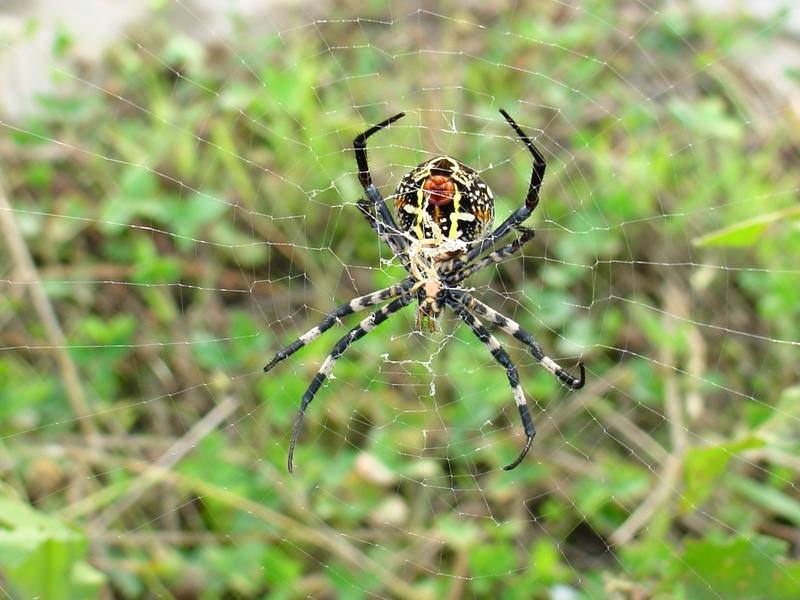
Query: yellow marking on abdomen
(420, 200)
(453, 233)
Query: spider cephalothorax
(445, 212)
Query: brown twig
(661, 494)
(174, 537)
(460, 575)
(671, 468)
(630, 430)
(580, 400)
(26, 270)
(321, 537)
(166, 461)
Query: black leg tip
(513, 124)
(359, 142)
(283, 354)
(391, 120)
(298, 422)
(572, 382)
(582, 379)
(526, 233)
(521, 456)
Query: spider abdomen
(444, 199)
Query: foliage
(182, 205)
(42, 557)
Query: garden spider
(445, 211)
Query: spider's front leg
(364, 206)
(381, 220)
(531, 199)
(459, 271)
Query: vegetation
(188, 208)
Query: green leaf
(280, 569)
(745, 233)
(782, 428)
(740, 568)
(703, 466)
(768, 497)
(239, 567)
(457, 533)
(188, 216)
(183, 52)
(707, 117)
(152, 267)
(41, 557)
(491, 560)
(351, 585)
(546, 566)
(63, 40)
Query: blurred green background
(174, 213)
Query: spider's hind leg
(332, 318)
(502, 357)
(514, 329)
(362, 329)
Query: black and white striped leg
(502, 357)
(539, 164)
(333, 317)
(531, 199)
(362, 329)
(515, 329)
(455, 276)
(385, 223)
(365, 207)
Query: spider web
(178, 213)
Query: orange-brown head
(439, 190)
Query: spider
(445, 213)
